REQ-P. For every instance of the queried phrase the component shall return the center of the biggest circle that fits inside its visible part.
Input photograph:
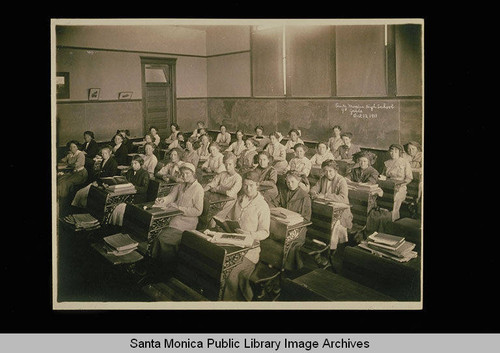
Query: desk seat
(324, 285)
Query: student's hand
(95, 183)
(239, 231)
(206, 188)
(382, 177)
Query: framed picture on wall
(94, 94)
(125, 95)
(62, 85)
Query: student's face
(230, 165)
(263, 161)
(149, 150)
(292, 182)
(105, 154)
(123, 134)
(250, 188)
(394, 152)
(187, 175)
(174, 156)
(147, 138)
(189, 145)
(273, 139)
(294, 136)
(346, 140)
(300, 153)
(223, 129)
(321, 149)
(87, 138)
(239, 136)
(412, 150)
(73, 148)
(200, 125)
(204, 140)
(329, 172)
(203, 131)
(180, 137)
(363, 162)
(173, 128)
(213, 150)
(336, 132)
(259, 132)
(118, 139)
(153, 131)
(136, 165)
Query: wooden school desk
(213, 202)
(145, 222)
(362, 201)
(324, 217)
(102, 202)
(390, 188)
(266, 277)
(159, 188)
(203, 267)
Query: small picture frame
(62, 85)
(94, 94)
(125, 95)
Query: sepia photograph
(237, 164)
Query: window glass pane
(267, 61)
(408, 60)
(155, 75)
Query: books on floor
(84, 221)
(120, 244)
(286, 216)
(390, 246)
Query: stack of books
(286, 216)
(361, 186)
(118, 185)
(390, 246)
(120, 244)
(81, 222)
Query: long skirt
(66, 183)
(80, 199)
(116, 217)
(238, 286)
(399, 197)
(166, 245)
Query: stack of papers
(83, 221)
(120, 244)
(390, 246)
(286, 216)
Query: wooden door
(158, 87)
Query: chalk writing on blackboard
(363, 111)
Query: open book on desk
(231, 239)
(286, 216)
(114, 180)
(227, 225)
(326, 201)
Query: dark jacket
(110, 168)
(121, 155)
(91, 150)
(369, 175)
(141, 182)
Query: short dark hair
(74, 142)
(337, 127)
(90, 133)
(300, 145)
(139, 159)
(260, 127)
(179, 151)
(252, 175)
(294, 173)
(330, 163)
(294, 130)
(175, 125)
(221, 126)
(348, 134)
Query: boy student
(346, 150)
(333, 187)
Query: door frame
(171, 62)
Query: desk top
(157, 211)
(230, 249)
(113, 193)
(293, 226)
(213, 197)
(330, 204)
(129, 258)
(389, 183)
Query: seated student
(150, 160)
(414, 154)
(174, 129)
(238, 146)
(259, 137)
(223, 137)
(346, 150)
(333, 186)
(278, 152)
(188, 198)
(267, 177)
(247, 161)
(154, 132)
(172, 170)
(190, 153)
(108, 168)
(197, 133)
(322, 154)
(399, 169)
(301, 164)
(177, 142)
(139, 177)
(364, 172)
(89, 147)
(254, 217)
(148, 139)
(214, 162)
(227, 182)
(294, 139)
(75, 161)
(294, 198)
(335, 141)
(203, 150)
(120, 151)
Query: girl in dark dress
(120, 151)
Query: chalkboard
(189, 112)
(373, 123)
(102, 118)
